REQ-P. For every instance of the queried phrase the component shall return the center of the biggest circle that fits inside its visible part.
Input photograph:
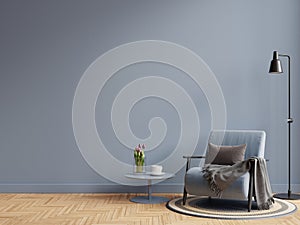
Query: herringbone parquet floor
(105, 209)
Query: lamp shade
(275, 66)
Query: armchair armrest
(194, 157)
(188, 160)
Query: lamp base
(286, 196)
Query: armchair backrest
(254, 139)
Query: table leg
(149, 191)
(149, 199)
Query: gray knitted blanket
(222, 176)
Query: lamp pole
(289, 121)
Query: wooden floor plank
(106, 209)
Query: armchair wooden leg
(249, 203)
(251, 186)
(188, 161)
(184, 196)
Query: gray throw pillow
(225, 155)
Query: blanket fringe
(267, 205)
(213, 186)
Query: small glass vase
(139, 169)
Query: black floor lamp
(276, 68)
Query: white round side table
(149, 199)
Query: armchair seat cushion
(196, 184)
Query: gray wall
(46, 46)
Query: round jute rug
(228, 209)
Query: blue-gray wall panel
(45, 47)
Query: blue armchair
(242, 188)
